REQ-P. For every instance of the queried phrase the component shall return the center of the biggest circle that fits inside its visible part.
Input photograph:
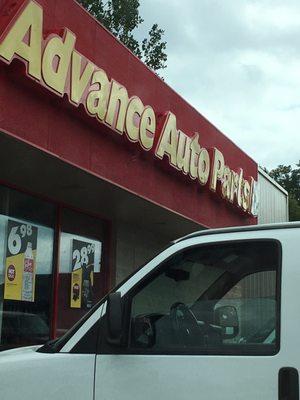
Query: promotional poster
(20, 263)
(83, 261)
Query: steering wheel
(185, 325)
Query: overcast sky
(238, 63)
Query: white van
(214, 316)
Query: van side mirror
(114, 313)
(227, 318)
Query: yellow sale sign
(20, 263)
(76, 288)
(82, 281)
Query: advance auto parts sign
(82, 282)
(20, 265)
(54, 62)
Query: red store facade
(101, 165)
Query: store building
(101, 165)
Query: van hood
(19, 350)
(26, 374)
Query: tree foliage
(289, 178)
(122, 17)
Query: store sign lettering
(56, 64)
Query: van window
(211, 299)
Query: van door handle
(288, 384)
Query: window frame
(231, 350)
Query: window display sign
(20, 264)
(83, 261)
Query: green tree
(122, 17)
(294, 209)
(289, 178)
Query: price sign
(83, 261)
(16, 235)
(83, 254)
(20, 261)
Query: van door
(204, 324)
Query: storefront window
(27, 242)
(26, 263)
(81, 267)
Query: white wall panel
(273, 200)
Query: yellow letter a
(28, 25)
